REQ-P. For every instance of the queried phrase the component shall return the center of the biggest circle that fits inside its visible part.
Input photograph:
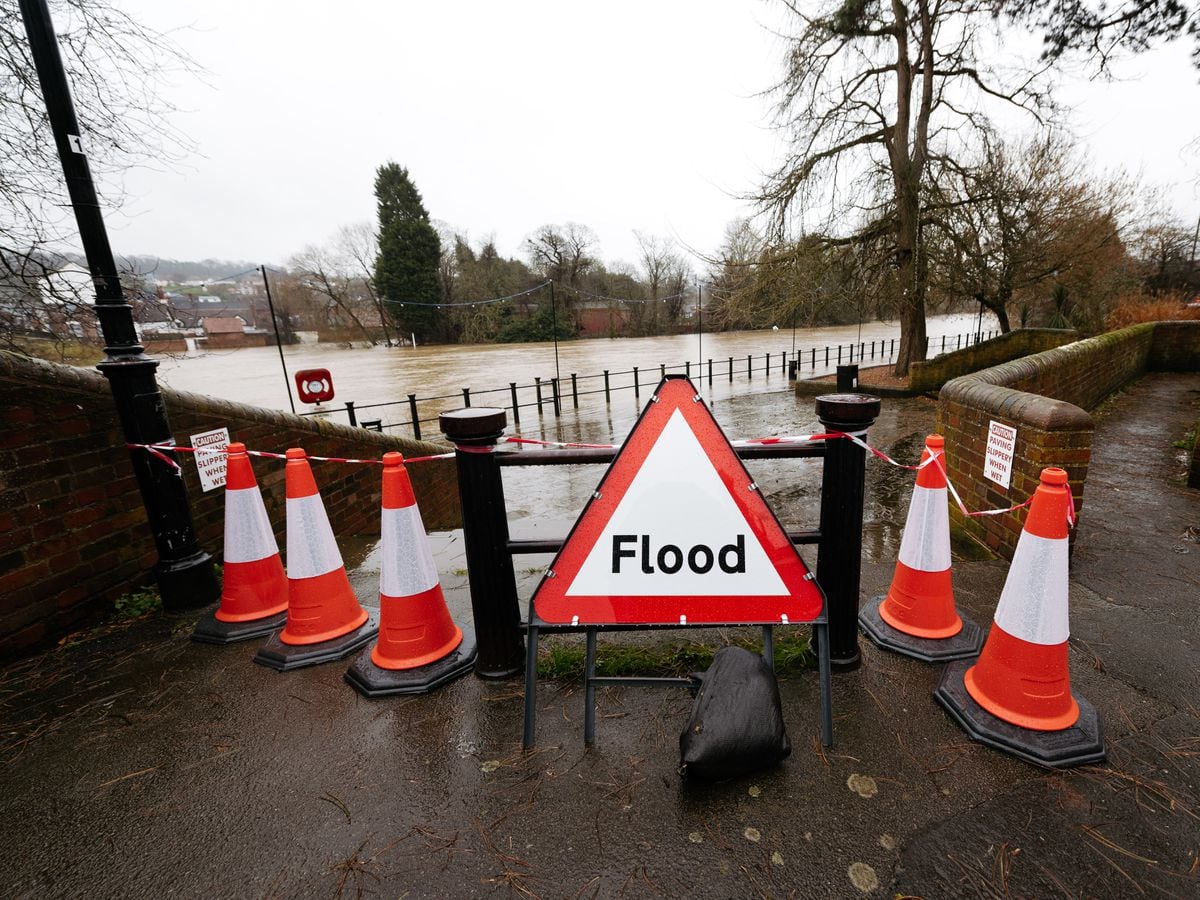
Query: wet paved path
(139, 764)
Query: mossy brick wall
(73, 531)
(1045, 397)
(1176, 346)
(929, 375)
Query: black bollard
(494, 605)
(512, 389)
(847, 379)
(839, 554)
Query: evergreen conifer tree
(406, 269)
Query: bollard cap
(851, 410)
(935, 442)
(474, 424)
(235, 447)
(1052, 475)
(296, 453)
(393, 458)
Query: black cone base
(276, 654)
(211, 630)
(964, 645)
(1078, 745)
(371, 681)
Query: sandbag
(736, 725)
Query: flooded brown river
(437, 374)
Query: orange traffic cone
(419, 646)
(254, 595)
(917, 616)
(1017, 697)
(324, 619)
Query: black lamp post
(185, 573)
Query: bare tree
(115, 66)
(874, 95)
(562, 253)
(666, 272)
(1021, 219)
(328, 275)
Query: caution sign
(677, 533)
(998, 460)
(210, 457)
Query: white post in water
(414, 338)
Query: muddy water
(437, 374)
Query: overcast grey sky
(628, 114)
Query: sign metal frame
(674, 392)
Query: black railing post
(839, 554)
(813, 360)
(554, 395)
(827, 355)
(607, 391)
(662, 370)
(537, 382)
(731, 370)
(943, 343)
(416, 420)
(466, 397)
(494, 604)
(637, 387)
(749, 366)
(574, 392)
(710, 371)
(839, 359)
(687, 369)
(350, 414)
(512, 389)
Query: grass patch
(669, 658)
(137, 603)
(1187, 442)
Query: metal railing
(549, 394)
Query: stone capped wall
(1046, 397)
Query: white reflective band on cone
(248, 534)
(408, 566)
(311, 549)
(925, 545)
(1033, 604)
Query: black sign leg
(589, 689)
(531, 645)
(822, 631)
(769, 646)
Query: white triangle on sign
(677, 500)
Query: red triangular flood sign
(677, 533)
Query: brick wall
(73, 532)
(929, 375)
(1045, 397)
(1176, 347)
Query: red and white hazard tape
(156, 450)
